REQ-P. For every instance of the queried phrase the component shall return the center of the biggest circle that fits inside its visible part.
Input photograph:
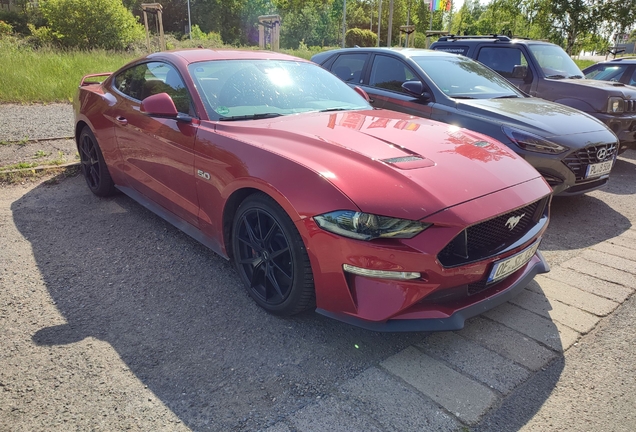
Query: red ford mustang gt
(376, 218)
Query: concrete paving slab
(572, 317)
(616, 250)
(332, 415)
(508, 343)
(395, 405)
(601, 271)
(625, 242)
(572, 296)
(463, 397)
(488, 367)
(551, 333)
(630, 233)
(612, 261)
(588, 283)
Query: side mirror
(362, 93)
(417, 89)
(162, 105)
(520, 72)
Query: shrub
(5, 29)
(206, 40)
(360, 37)
(96, 24)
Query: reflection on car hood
(390, 163)
(547, 119)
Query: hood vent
(409, 162)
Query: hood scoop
(409, 162)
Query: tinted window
(234, 88)
(348, 67)
(502, 60)
(554, 62)
(152, 78)
(390, 73)
(461, 77)
(632, 80)
(607, 72)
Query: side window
(348, 67)
(152, 78)
(389, 73)
(502, 60)
(632, 80)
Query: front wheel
(271, 258)
(93, 166)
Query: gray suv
(544, 70)
(572, 150)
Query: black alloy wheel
(270, 257)
(93, 167)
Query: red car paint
(314, 163)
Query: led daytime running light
(381, 274)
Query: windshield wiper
(462, 97)
(512, 96)
(335, 109)
(251, 117)
(576, 76)
(556, 76)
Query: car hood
(593, 92)
(390, 163)
(545, 118)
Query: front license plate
(510, 265)
(598, 169)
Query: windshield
(462, 78)
(607, 72)
(554, 62)
(250, 89)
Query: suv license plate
(598, 169)
(510, 265)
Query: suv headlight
(532, 142)
(365, 226)
(615, 105)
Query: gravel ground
(35, 122)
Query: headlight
(365, 226)
(532, 142)
(615, 105)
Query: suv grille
(630, 105)
(580, 159)
(488, 238)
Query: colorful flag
(436, 5)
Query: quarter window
(348, 67)
(390, 73)
(152, 78)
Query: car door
(157, 153)
(503, 60)
(384, 86)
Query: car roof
(403, 52)
(200, 54)
(491, 38)
(631, 59)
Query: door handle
(122, 120)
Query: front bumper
(624, 126)
(455, 321)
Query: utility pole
(390, 30)
(344, 21)
(189, 22)
(379, 19)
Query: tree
(622, 14)
(92, 24)
(574, 18)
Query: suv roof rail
(451, 37)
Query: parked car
(374, 217)
(572, 150)
(620, 70)
(544, 70)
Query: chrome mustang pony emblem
(513, 221)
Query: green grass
(49, 75)
(582, 64)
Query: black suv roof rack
(498, 37)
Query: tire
(271, 258)
(93, 167)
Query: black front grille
(630, 105)
(488, 238)
(579, 160)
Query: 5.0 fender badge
(203, 174)
(513, 221)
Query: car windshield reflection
(254, 89)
